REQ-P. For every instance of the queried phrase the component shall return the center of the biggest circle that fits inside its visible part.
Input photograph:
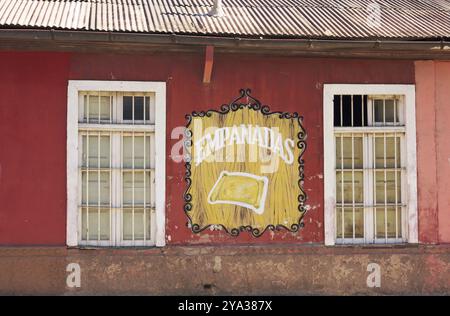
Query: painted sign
(244, 170)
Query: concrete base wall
(230, 270)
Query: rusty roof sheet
(318, 19)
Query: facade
(103, 163)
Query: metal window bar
(145, 182)
(385, 182)
(132, 181)
(376, 170)
(87, 185)
(110, 182)
(362, 111)
(112, 206)
(98, 184)
(353, 181)
(342, 187)
(351, 109)
(99, 107)
(395, 182)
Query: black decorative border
(234, 106)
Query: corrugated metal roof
(319, 19)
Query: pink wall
(433, 143)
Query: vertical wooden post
(209, 59)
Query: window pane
(141, 223)
(378, 110)
(392, 195)
(127, 224)
(349, 185)
(348, 223)
(385, 111)
(94, 214)
(105, 231)
(346, 149)
(390, 110)
(386, 226)
(150, 147)
(93, 224)
(105, 108)
(138, 152)
(138, 188)
(92, 108)
(127, 108)
(105, 152)
(93, 151)
(392, 151)
(96, 107)
(149, 111)
(93, 185)
(139, 108)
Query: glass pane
(350, 185)
(83, 224)
(390, 223)
(84, 151)
(385, 111)
(93, 224)
(390, 110)
(139, 152)
(149, 157)
(392, 151)
(94, 187)
(138, 188)
(149, 111)
(139, 108)
(127, 225)
(105, 107)
(141, 223)
(93, 151)
(127, 108)
(358, 152)
(339, 162)
(127, 152)
(94, 215)
(92, 108)
(105, 231)
(348, 223)
(128, 188)
(392, 195)
(346, 152)
(104, 151)
(378, 110)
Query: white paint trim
(74, 87)
(329, 150)
(160, 164)
(72, 166)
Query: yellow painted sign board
(245, 169)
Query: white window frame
(74, 88)
(408, 93)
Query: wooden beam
(209, 60)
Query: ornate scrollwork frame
(255, 105)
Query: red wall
(32, 138)
(33, 98)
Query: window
(370, 164)
(115, 164)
